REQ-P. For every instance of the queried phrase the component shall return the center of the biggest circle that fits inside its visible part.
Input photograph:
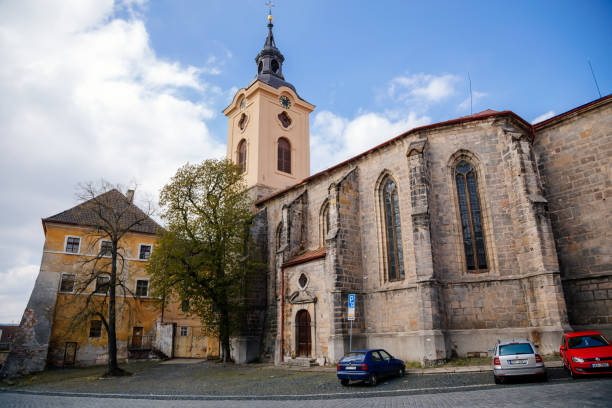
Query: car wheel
(373, 379)
(565, 365)
(498, 380)
(401, 372)
(344, 382)
(572, 373)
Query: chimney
(130, 196)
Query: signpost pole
(351, 338)
(351, 317)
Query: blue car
(368, 365)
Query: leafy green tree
(203, 256)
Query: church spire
(270, 60)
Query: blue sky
(130, 90)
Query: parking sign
(351, 306)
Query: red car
(586, 352)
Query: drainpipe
(282, 356)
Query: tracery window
(393, 229)
(242, 155)
(471, 217)
(284, 155)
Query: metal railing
(141, 342)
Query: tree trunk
(113, 367)
(225, 335)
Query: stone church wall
(574, 155)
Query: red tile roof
(306, 257)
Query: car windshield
(353, 357)
(515, 348)
(593, 340)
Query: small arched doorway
(304, 344)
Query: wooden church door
(303, 333)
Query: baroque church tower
(268, 129)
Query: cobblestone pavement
(582, 393)
(207, 378)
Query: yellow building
(62, 324)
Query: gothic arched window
(324, 221)
(471, 217)
(393, 229)
(242, 155)
(284, 155)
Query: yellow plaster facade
(253, 116)
(138, 318)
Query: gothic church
(451, 235)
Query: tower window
(393, 230)
(324, 222)
(471, 218)
(260, 67)
(275, 66)
(284, 155)
(242, 122)
(242, 156)
(285, 120)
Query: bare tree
(112, 215)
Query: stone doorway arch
(303, 336)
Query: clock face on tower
(285, 102)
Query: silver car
(516, 358)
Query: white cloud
(335, 139)
(476, 98)
(84, 96)
(543, 117)
(424, 87)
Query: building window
(73, 244)
(393, 230)
(284, 155)
(243, 121)
(279, 235)
(285, 120)
(471, 217)
(95, 328)
(142, 287)
(144, 252)
(67, 283)
(102, 284)
(185, 305)
(106, 248)
(324, 222)
(242, 156)
(184, 330)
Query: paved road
(559, 393)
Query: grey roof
(109, 204)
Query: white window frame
(100, 247)
(61, 280)
(136, 286)
(181, 331)
(96, 286)
(150, 253)
(66, 243)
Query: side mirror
(561, 348)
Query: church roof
(306, 257)
(111, 202)
(476, 116)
